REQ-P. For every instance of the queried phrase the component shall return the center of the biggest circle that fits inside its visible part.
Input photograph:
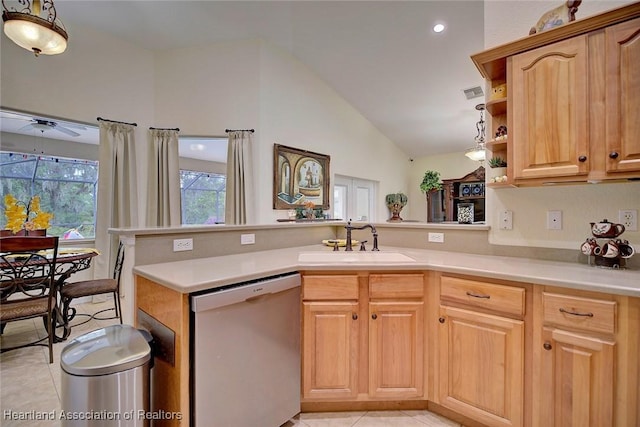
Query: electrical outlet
(628, 218)
(436, 237)
(182, 245)
(506, 220)
(554, 220)
(247, 239)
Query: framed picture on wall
(299, 177)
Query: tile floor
(29, 383)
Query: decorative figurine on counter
(613, 252)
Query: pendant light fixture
(35, 26)
(478, 152)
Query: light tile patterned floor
(29, 383)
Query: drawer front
(505, 299)
(588, 314)
(396, 286)
(330, 287)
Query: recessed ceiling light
(438, 28)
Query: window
(353, 199)
(67, 188)
(202, 179)
(203, 196)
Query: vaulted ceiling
(383, 57)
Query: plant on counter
(497, 162)
(431, 181)
(25, 216)
(395, 203)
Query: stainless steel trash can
(105, 379)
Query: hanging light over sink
(478, 153)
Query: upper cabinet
(548, 111)
(573, 101)
(623, 97)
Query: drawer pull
(547, 345)
(471, 294)
(575, 313)
(374, 316)
(354, 316)
(441, 320)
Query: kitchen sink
(355, 257)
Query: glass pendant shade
(477, 153)
(31, 32)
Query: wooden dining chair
(27, 284)
(85, 288)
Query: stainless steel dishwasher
(246, 349)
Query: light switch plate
(554, 220)
(506, 220)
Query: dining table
(69, 261)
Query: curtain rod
(176, 129)
(239, 130)
(115, 121)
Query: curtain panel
(239, 201)
(163, 191)
(117, 189)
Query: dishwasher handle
(249, 291)
(257, 298)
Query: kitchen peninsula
(536, 319)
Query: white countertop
(209, 273)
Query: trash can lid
(104, 351)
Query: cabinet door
(330, 350)
(577, 373)
(623, 97)
(481, 370)
(548, 102)
(396, 349)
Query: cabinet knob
(547, 345)
(582, 159)
(441, 320)
(354, 316)
(374, 316)
(613, 155)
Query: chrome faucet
(349, 228)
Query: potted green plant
(395, 203)
(430, 181)
(498, 169)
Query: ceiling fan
(45, 125)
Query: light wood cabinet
(481, 351)
(573, 101)
(585, 344)
(623, 97)
(330, 336)
(330, 349)
(577, 373)
(363, 337)
(396, 348)
(548, 111)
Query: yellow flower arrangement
(27, 216)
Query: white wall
(298, 109)
(252, 84)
